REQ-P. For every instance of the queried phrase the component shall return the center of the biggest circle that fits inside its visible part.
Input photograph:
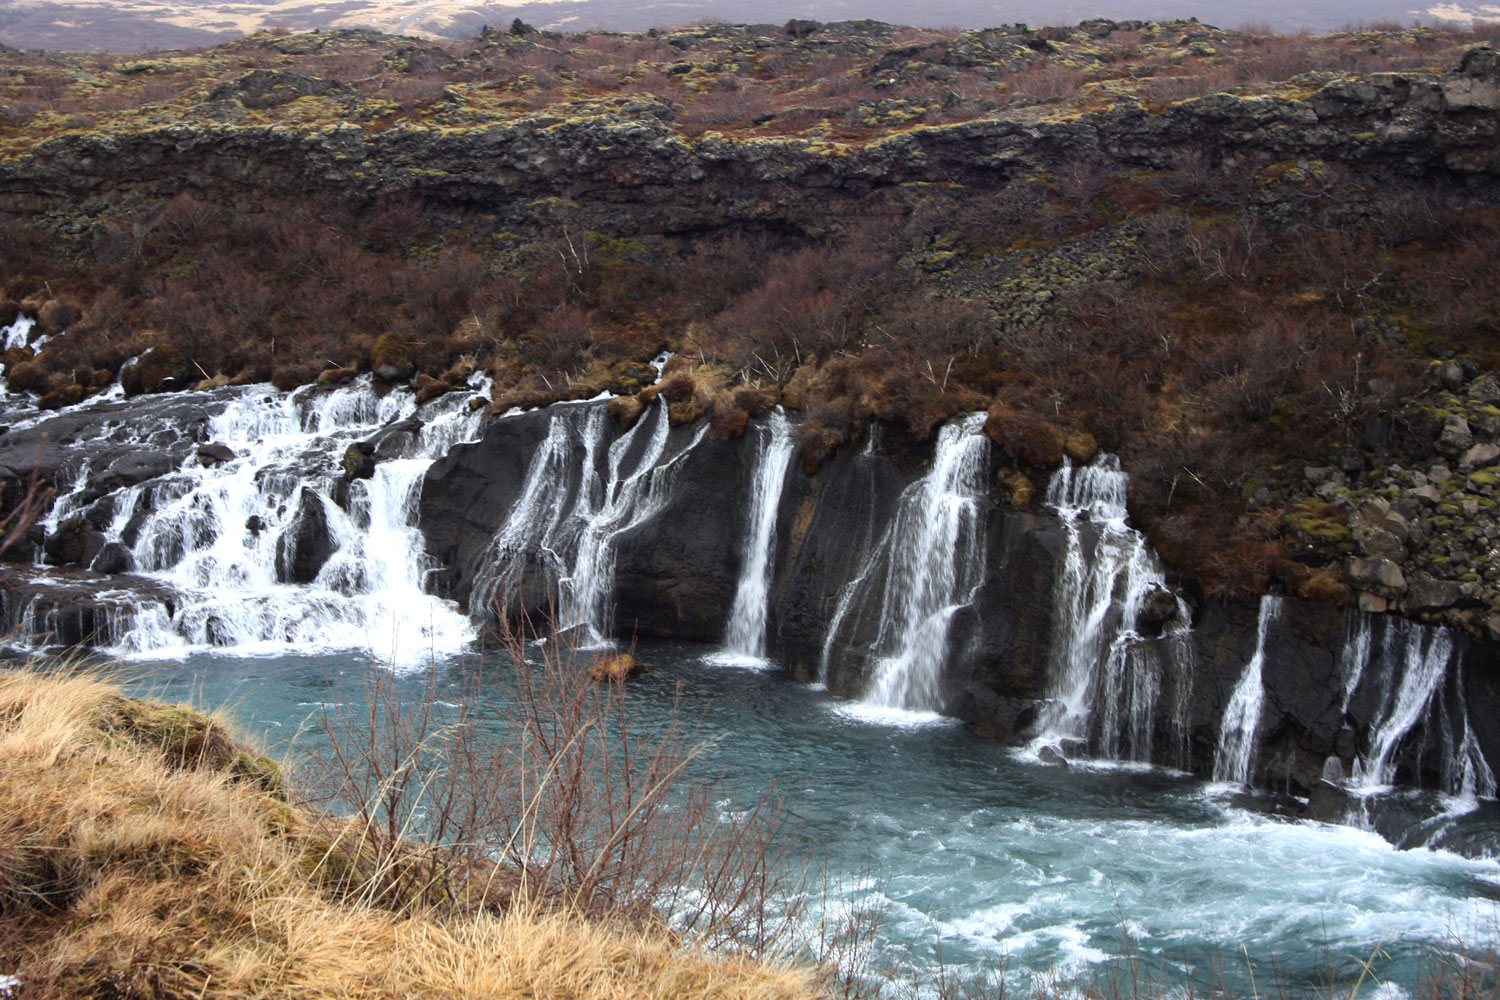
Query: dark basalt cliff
(675, 575)
(632, 171)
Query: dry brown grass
(144, 854)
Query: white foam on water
(895, 718)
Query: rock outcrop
(622, 161)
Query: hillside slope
(1255, 266)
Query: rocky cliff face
(544, 502)
(634, 172)
(675, 575)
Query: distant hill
(132, 25)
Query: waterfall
(1106, 676)
(18, 333)
(222, 535)
(1237, 732)
(1466, 774)
(15, 335)
(571, 513)
(745, 636)
(928, 564)
(1409, 676)
(1354, 656)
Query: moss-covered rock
(158, 369)
(190, 740)
(391, 358)
(618, 668)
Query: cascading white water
(18, 333)
(571, 513)
(1466, 774)
(219, 534)
(1423, 655)
(1409, 676)
(1354, 656)
(745, 635)
(1104, 673)
(15, 335)
(1241, 723)
(927, 566)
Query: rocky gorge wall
(675, 573)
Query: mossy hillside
(1188, 244)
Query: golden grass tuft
(143, 853)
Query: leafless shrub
(581, 801)
(34, 499)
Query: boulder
(210, 455)
(1379, 531)
(392, 440)
(620, 668)
(1378, 576)
(1158, 609)
(1476, 86)
(1455, 438)
(1328, 803)
(113, 558)
(75, 543)
(1480, 454)
(359, 461)
(306, 545)
(266, 88)
(1051, 756)
(1485, 389)
(1425, 592)
(135, 466)
(1348, 459)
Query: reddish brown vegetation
(1226, 345)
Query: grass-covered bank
(143, 853)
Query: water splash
(745, 636)
(217, 534)
(1241, 723)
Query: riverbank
(146, 853)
